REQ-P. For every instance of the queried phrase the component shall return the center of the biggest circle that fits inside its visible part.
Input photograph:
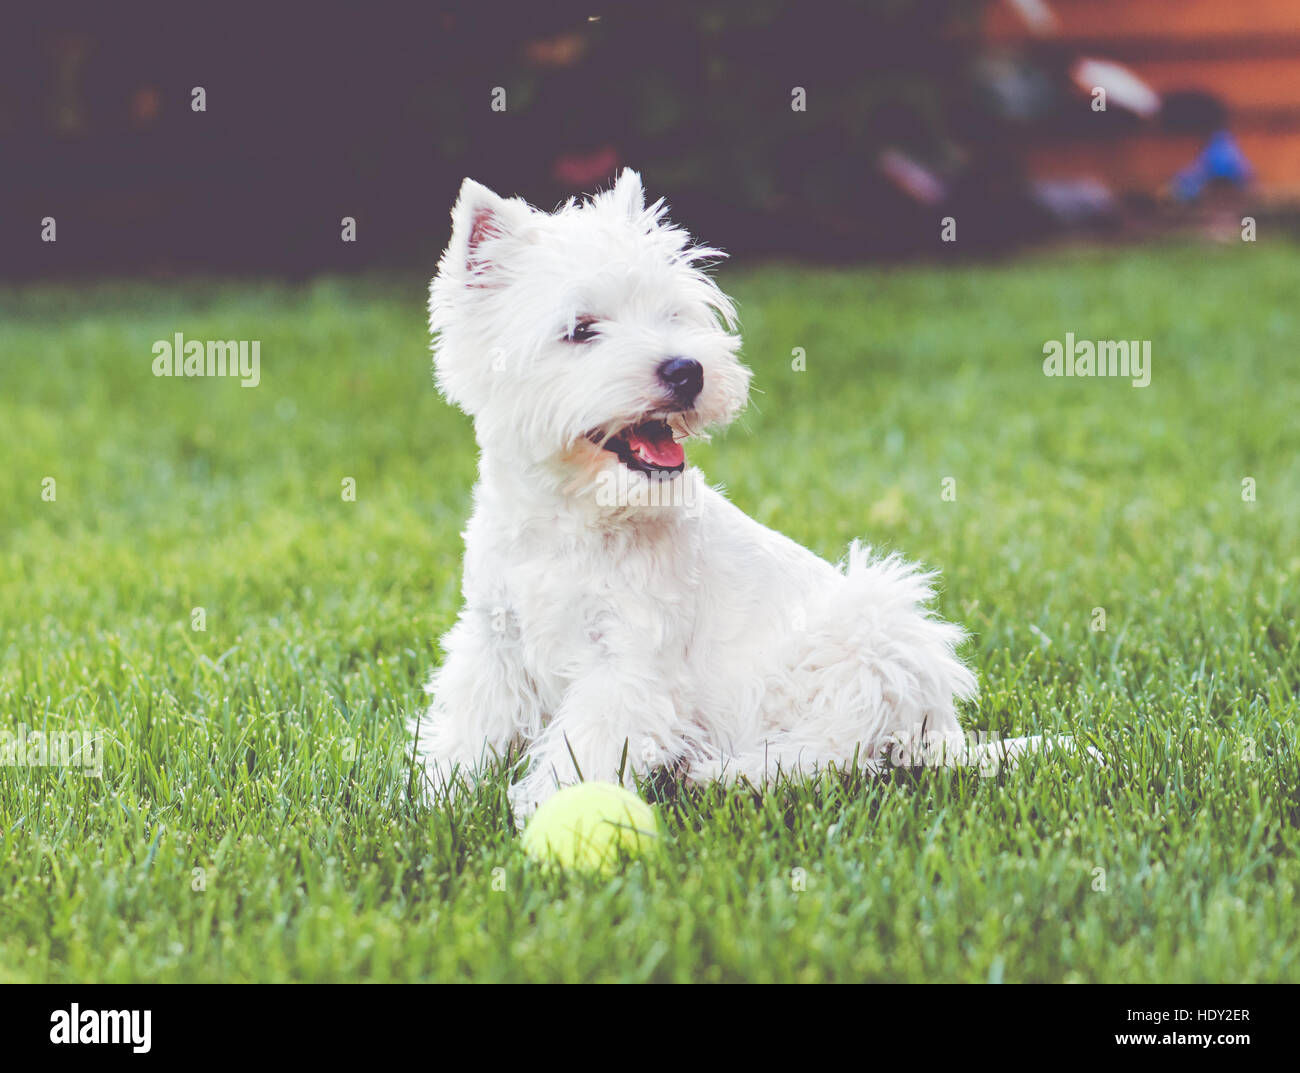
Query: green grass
(269, 750)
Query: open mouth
(648, 447)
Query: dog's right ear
(481, 221)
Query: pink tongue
(662, 451)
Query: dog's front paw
(548, 774)
(538, 785)
(523, 803)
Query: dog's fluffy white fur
(620, 614)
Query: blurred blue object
(1221, 159)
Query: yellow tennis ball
(590, 826)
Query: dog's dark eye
(584, 331)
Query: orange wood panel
(1243, 84)
(1164, 20)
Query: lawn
(255, 817)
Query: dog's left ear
(629, 193)
(480, 221)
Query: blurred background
(1025, 120)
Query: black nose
(683, 377)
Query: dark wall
(329, 112)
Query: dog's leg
(869, 673)
(782, 756)
(1008, 752)
(785, 756)
(876, 668)
(481, 698)
(612, 724)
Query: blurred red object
(145, 105)
(583, 170)
(563, 50)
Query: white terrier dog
(621, 615)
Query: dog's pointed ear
(629, 193)
(479, 221)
